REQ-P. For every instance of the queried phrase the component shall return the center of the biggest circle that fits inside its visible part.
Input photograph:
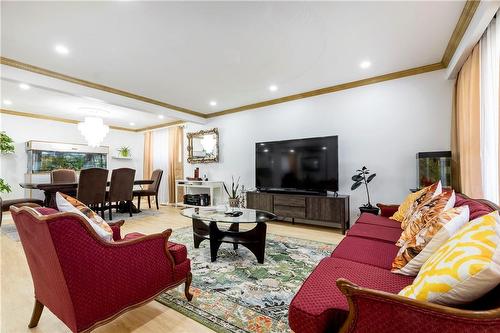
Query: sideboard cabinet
(330, 211)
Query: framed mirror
(203, 146)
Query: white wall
(381, 126)
(21, 129)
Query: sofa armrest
(387, 210)
(117, 223)
(377, 311)
(116, 228)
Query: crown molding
(58, 119)
(335, 88)
(459, 31)
(67, 78)
(169, 124)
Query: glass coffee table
(205, 226)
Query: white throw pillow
(66, 203)
(448, 222)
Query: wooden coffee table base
(254, 239)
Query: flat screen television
(301, 166)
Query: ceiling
(54, 103)
(191, 53)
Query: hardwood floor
(17, 289)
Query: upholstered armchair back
(83, 279)
(48, 277)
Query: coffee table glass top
(213, 215)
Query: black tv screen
(309, 165)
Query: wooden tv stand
(330, 211)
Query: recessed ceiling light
(324, 148)
(292, 151)
(161, 116)
(131, 124)
(7, 102)
(365, 64)
(61, 49)
(213, 103)
(24, 86)
(273, 87)
(266, 150)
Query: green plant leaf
(369, 179)
(6, 143)
(4, 187)
(225, 189)
(356, 185)
(357, 178)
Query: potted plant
(124, 151)
(6, 147)
(234, 199)
(363, 177)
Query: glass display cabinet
(47, 156)
(432, 167)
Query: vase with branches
(234, 197)
(363, 177)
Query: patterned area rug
(235, 293)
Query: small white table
(212, 186)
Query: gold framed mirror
(203, 146)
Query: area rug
(235, 293)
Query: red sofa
(354, 290)
(85, 281)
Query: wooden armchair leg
(149, 201)
(35, 316)
(189, 278)
(157, 204)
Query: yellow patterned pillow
(464, 268)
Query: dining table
(50, 190)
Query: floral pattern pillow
(415, 252)
(426, 212)
(423, 197)
(66, 203)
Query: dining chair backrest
(122, 185)
(156, 178)
(92, 186)
(59, 176)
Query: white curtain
(490, 78)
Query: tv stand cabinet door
(260, 201)
(324, 209)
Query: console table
(212, 186)
(330, 210)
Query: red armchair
(85, 281)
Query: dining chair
(120, 189)
(59, 176)
(152, 189)
(92, 188)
